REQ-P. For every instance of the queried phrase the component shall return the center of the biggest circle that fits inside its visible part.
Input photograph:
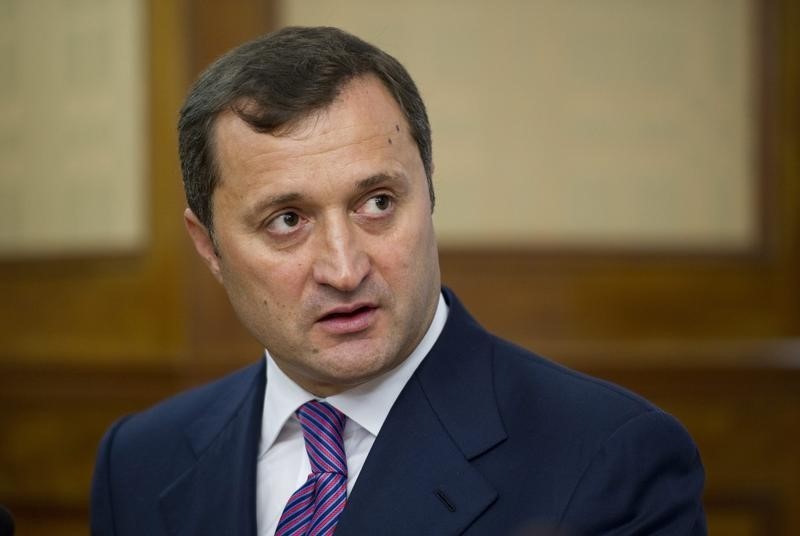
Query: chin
(351, 372)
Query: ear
(202, 242)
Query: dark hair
(277, 80)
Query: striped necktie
(314, 509)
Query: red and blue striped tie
(314, 509)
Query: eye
(377, 204)
(284, 223)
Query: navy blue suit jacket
(485, 438)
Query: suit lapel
(216, 495)
(418, 478)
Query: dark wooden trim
(214, 27)
(765, 507)
(757, 366)
(765, 75)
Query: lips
(348, 319)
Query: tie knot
(322, 429)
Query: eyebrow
(263, 205)
(380, 179)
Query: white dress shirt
(283, 464)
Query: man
(381, 406)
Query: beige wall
(73, 164)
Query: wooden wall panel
(112, 309)
(52, 420)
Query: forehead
(363, 114)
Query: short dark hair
(276, 80)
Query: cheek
(403, 260)
(281, 284)
(262, 281)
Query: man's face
(325, 239)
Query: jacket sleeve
(646, 478)
(102, 514)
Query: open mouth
(345, 320)
(347, 314)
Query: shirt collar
(367, 404)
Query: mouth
(348, 319)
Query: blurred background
(618, 188)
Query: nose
(341, 263)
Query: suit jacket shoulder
(613, 460)
(489, 438)
(188, 460)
